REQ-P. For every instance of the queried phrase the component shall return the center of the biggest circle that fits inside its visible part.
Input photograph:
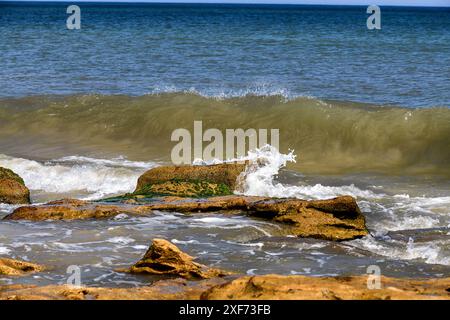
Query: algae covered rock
(12, 188)
(190, 181)
(164, 258)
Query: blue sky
(431, 3)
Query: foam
(4, 250)
(97, 177)
(428, 252)
(265, 164)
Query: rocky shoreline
(193, 281)
(208, 189)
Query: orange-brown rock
(70, 209)
(277, 287)
(164, 258)
(333, 219)
(190, 181)
(266, 287)
(11, 267)
(12, 188)
(176, 289)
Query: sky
(431, 3)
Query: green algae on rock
(190, 181)
(12, 188)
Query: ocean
(367, 113)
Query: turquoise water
(228, 50)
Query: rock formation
(333, 219)
(12, 188)
(11, 267)
(266, 287)
(190, 181)
(164, 258)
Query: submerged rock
(12, 188)
(333, 219)
(11, 267)
(190, 181)
(164, 258)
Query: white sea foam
(408, 223)
(261, 89)
(121, 240)
(428, 252)
(97, 177)
(7, 208)
(176, 241)
(115, 162)
(264, 166)
(4, 250)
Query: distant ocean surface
(228, 50)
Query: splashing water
(89, 178)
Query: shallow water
(409, 221)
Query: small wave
(121, 240)
(257, 90)
(115, 162)
(176, 241)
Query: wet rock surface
(190, 181)
(269, 287)
(11, 267)
(69, 209)
(333, 219)
(164, 258)
(12, 188)
(266, 287)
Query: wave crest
(332, 137)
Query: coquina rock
(190, 181)
(164, 258)
(12, 188)
(271, 287)
(71, 209)
(264, 287)
(11, 267)
(333, 219)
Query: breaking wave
(329, 136)
(264, 166)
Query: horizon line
(220, 3)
